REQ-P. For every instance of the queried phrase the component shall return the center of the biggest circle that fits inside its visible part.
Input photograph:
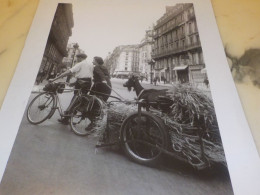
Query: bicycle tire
(49, 103)
(135, 149)
(79, 122)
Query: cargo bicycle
(143, 135)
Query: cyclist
(83, 72)
(102, 84)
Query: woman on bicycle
(102, 84)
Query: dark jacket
(101, 74)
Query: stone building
(124, 60)
(177, 50)
(145, 50)
(111, 60)
(56, 47)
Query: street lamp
(151, 63)
(75, 46)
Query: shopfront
(182, 74)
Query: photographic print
(122, 103)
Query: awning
(180, 67)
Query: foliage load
(190, 120)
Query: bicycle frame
(57, 103)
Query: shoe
(64, 120)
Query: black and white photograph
(121, 103)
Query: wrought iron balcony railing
(164, 51)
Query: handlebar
(66, 83)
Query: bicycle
(44, 105)
(86, 107)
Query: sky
(100, 26)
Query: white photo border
(240, 150)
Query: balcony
(174, 50)
(169, 28)
(193, 45)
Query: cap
(82, 55)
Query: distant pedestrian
(155, 80)
(163, 79)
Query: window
(195, 58)
(173, 61)
(201, 58)
(191, 10)
(198, 38)
(191, 40)
(190, 28)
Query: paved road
(49, 159)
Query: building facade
(124, 60)
(145, 50)
(56, 47)
(112, 60)
(177, 50)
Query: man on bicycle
(83, 71)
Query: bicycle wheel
(41, 108)
(142, 142)
(79, 121)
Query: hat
(99, 60)
(82, 55)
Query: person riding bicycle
(102, 86)
(83, 72)
(101, 77)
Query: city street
(50, 159)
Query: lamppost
(75, 46)
(151, 63)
